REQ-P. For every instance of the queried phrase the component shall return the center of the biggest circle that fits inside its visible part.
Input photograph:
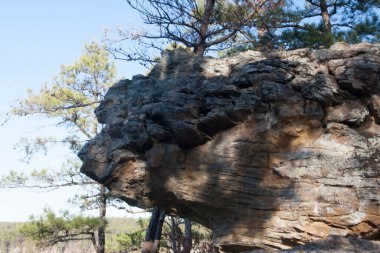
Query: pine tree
(320, 23)
(71, 100)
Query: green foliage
(70, 100)
(127, 237)
(292, 24)
(129, 241)
(29, 147)
(45, 178)
(137, 237)
(367, 30)
(73, 94)
(123, 235)
(235, 26)
(200, 232)
(132, 240)
(124, 241)
(351, 21)
(200, 25)
(13, 179)
(312, 36)
(10, 236)
(49, 228)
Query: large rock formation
(270, 150)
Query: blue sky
(37, 36)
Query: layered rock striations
(270, 150)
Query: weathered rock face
(270, 150)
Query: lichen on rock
(269, 149)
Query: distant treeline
(12, 241)
(122, 235)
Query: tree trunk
(94, 243)
(326, 23)
(263, 35)
(187, 243)
(7, 246)
(325, 16)
(173, 235)
(157, 237)
(150, 231)
(102, 216)
(153, 232)
(205, 22)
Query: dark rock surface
(270, 150)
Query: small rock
(374, 108)
(350, 112)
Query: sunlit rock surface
(270, 150)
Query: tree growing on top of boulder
(320, 23)
(194, 24)
(199, 25)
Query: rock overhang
(269, 150)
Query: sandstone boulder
(270, 150)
